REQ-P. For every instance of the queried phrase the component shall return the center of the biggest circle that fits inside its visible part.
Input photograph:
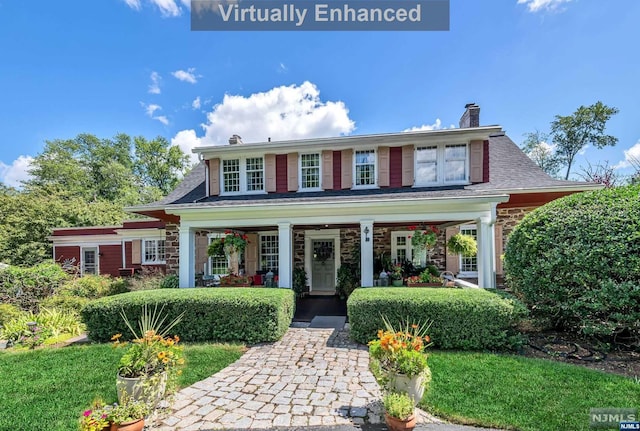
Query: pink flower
(87, 413)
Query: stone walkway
(311, 378)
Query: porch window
(455, 163)
(255, 174)
(231, 175)
(310, 171)
(269, 252)
(365, 168)
(153, 251)
(427, 165)
(469, 264)
(401, 249)
(218, 264)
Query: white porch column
(366, 253)
(187, 254)
(486, 253)
(285, 256)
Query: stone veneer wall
(509, 218)
(172, 248)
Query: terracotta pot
(396, 424)
(137, 425)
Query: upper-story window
(365, 168)
(243, 175)
(153, 251)
(455, 162)
(309, 171)
(441, 164)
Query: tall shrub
(26, 287)
(576, 262)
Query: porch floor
(311, 306)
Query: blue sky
(134, 66)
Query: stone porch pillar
(187, 257)
(366, 253)
(285, 255)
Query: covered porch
(320, 236)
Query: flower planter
(396, 283)
(396, 424)
(149, 390)
(137, 425)
(415, 386)
(424, 284)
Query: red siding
(110, 259)
(127, 252)
(85, 231)
(485, 162)
(145, 224)
(395, 167)
(64, 252)
(337, 170)
(281, 174)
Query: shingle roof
(510, 170)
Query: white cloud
(186, 75)
(187, 140)
(543, 5)
(13, 174)
(151, 110)
(154, 87)
(282, 113)
(437, 125)
(196, 103)
(631, 157)
(168, 8)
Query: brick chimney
(235, 139)
(471, 116)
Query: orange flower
(116, 337)
(414, 326)
(162, 355)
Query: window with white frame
(455, 162)
(402, 249)
(310, 171)
(269, 252)
(255, 174)
(243, 175)
(365, 168)
(218, 264)
(427, 165)
(469, 264)
(231, 175)
(153, 251)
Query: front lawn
(521, 393)
(47, 389)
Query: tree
(572, 133)
(537, 148)
(158, 164)
(601, 173)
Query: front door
(89, 260)
(323, 266)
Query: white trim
(85, 243)
(467, 274)
(187, 251)
(310, 189)
(366, 253)
(309, 236)
(242, 165)
(123, 252)
(143, 248)
(285, 254)
(440, 165)
(259, 245)
(128, 234)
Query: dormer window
(455, 163)
(243, 175)
(365, 168)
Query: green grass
(521, 393)
(47, 389)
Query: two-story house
(309, 203)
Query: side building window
(153, 251)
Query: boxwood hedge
(468, 319)
(576, 262)
(248, 315)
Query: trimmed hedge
(576, 263)
(250, 315)
(467, 319)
